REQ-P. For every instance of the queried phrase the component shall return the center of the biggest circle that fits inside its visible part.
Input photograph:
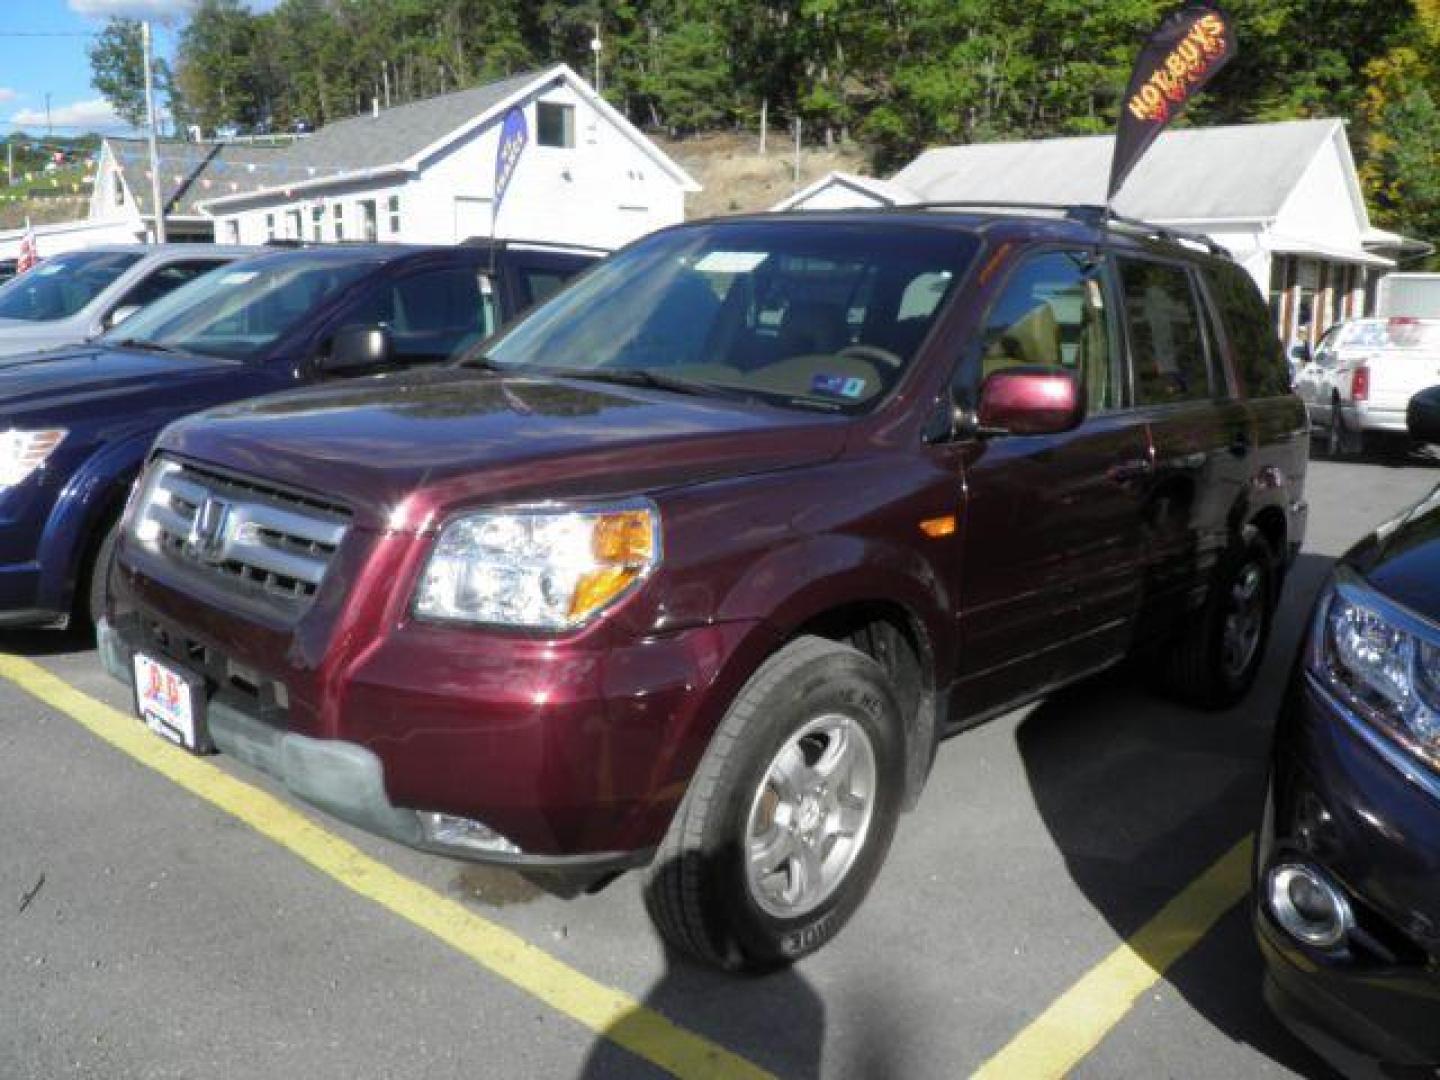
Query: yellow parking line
(1061, 1037)
(610, 1013)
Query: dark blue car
(1348, 858)
(75, 424)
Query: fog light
(1308, 906)
(447, 830)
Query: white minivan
(74, 296)
(1362, 377)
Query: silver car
(78, 294)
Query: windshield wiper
(644, 377)
(144, 345)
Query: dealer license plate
(171, 703)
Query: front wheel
(789, 815)
(98, 590)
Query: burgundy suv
(694, 567)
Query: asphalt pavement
(147, 932)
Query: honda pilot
(692, 569)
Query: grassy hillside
(736, 178)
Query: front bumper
(1370, 821)
(1375, 418)
(577, 760)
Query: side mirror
(120, 314)
(1422, 417)
(356, 347)
(1030, 401)
(1300, 353)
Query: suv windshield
(240, 310)
(62, 285)
(803, 314)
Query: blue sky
(42, 49)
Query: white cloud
(7, 94)
(133, 9)
(94, 114)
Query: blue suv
(75, 424)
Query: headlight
(1382, 660)
(545, 568)
(22, 452)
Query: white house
(1283, 198)
(424, 172)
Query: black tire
(1340, 441)
(97, 581)
(1198, 668)
(698, 889)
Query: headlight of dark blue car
(1381, 660)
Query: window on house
(118, 188)
(393, 206)
(317, 223)
(269, 226)
(339, 215)
(232, 230)
(292, 225)
(369, 230)
(554, 124)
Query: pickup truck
(1362, 378)
(76, 423)
(691, 568)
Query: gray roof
(1246, 171)
(400, 132)
(191, 173)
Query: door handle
(1124, 472)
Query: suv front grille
(256, 535)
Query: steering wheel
(873, 353)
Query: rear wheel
(789, 815)
(1216, 661)
(1340, 441)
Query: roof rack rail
(1085, 213)
(520, 241)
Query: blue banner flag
(513, 137)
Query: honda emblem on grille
(208, 531)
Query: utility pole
(798, 125)
(49, 129)
(10, 161)
(596, 45)
(158, 207)
(764, 123)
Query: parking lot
(1067, 898)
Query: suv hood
(399, 450)
(88, 375)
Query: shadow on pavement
(40, 643)
(776, 1021)
(1141, 796)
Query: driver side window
(1052, 314)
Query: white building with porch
(1283, 198)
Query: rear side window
(1167, 346)
(1259, 358)
(166, 279)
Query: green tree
(117, 70)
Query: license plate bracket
(171, 702)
